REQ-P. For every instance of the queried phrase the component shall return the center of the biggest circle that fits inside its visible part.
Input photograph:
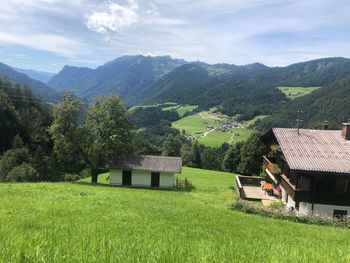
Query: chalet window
(304, 183)
(126, 178)
(340, 214)
(342, 185)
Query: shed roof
(314, 150)
(148, 163)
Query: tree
(98, 137)
(251, 155)
(172, 146)
(233, 158)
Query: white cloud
(47, 42)
(116, 18)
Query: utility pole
(299, 120)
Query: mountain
(249, 90)
(37, 75)
(38, 88)
(124, 76)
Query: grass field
(193, 124)
(296, 92)
(182, 109)
(251, 122)
(78, 222)
(241, 134)
(215, 138)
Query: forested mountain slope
(331, 103)
(38, 88)
(123, 76)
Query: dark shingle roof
(148, 163)
(314, 150)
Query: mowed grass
(251, 122)
(182, 109)
(78, 222)
(296, 92)
(193, 124)
(215, 138)
(241, 134)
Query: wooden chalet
(311, 168)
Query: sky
(48, 34)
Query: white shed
(145, 171)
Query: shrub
(278, 213)
(71, 177)
(23, 173)
(184, 185)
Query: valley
(213, 128)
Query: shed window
(340, 214)
(342, 185)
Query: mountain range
(39, 88)
(248, 90)
(42, 76)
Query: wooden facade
(305, 186)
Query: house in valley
(311, 168)
(145, 171)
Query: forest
(72, 139)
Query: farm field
(194, 124)
(296, 92)
(215, 138)
(251, 122)
(182, 109)
(78, 222)
(241, 134)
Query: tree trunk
(94, 176)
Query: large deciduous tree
(97, 135)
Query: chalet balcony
(275, 174)
(272, 168)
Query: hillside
(331, 103)
(85, 223)
(124, 76)
(38, 88)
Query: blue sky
(48, 34)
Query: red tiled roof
(314, 150)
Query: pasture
(79, 222)
(193, 124)
(241, 134)
(215, 138)
(296, 92)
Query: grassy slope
(182, 109)
(215, 138)
(243, 134)
(251, 122)
(66, 222)
(296, 92)
(193, 124)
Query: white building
(145, 171)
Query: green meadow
(241, 134)
(215, 138)
(296, 92)
(194, 124)
(79, 222)
(182, 109)
(251, 122)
